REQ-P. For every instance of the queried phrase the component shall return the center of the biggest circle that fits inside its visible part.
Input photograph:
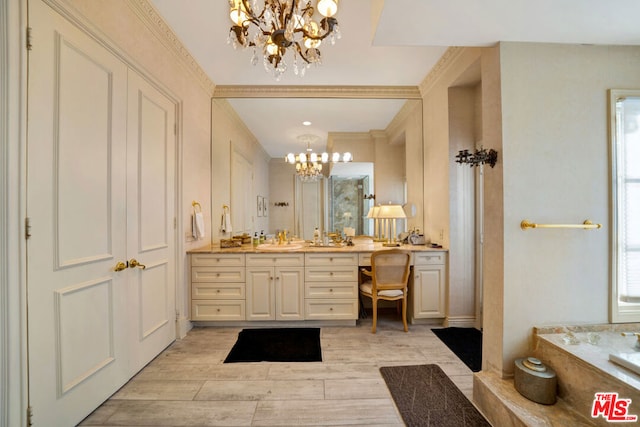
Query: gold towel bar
(587, 224)
(196, 204)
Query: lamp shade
(373, 212)
(391, 212)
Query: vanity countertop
(359, 247)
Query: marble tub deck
(188, 384)
(580, 357)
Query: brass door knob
(120, 266)
(133, 263)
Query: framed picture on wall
(265, 206)
(260, 204)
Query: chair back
(390, 269)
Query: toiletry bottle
(256, 239)
(316, 236)
(262, 236)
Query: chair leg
(374, 304)
(404, 313)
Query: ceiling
(388, 43)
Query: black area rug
(277, 345)
(466, 343)
(425, 396)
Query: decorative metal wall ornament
(480, 157)
(277, 25)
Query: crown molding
(156, 24)
(449, 56)
(301, 91)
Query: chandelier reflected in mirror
(309, 164)
(275, 27)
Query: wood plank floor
(188, 384)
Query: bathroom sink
(274, 247)
(628, 360)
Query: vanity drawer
(429, 258)
(335, 274)
(217, 290)
(217, 260)
(272, 260)
(364, 259)
(218, 310)
(331, 309)
(330, 259)
(217, 274)
(331, 290)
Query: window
(625, 193)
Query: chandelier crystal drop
(309, 164)
(275, 27)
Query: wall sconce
(480, 157)
(370, 197)
(281, 204)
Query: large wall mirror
(380, 127)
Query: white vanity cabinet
(275, 286)
(331, 286)
(429, 285)
(217, 287)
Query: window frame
(620, 311)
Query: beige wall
(544, 109)
(556, 170)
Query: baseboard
(460, 321)
(183, 325)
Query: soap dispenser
(262, 236)
(256, 239)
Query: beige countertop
(359, 247)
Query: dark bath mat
(277, 345)
(466, 343)
(425, 396)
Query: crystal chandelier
(309, 164)
(276, 25)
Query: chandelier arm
(327, 24)
(301, 53)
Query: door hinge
(27, 228)
(175, 222)
(29, 39)
(29, 415)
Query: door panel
(76, 159)
(150, 218)
(100, 190)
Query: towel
(225, 223)
(198, 226)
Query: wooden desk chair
(389, 281)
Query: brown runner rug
(425, 396)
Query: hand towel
(225, 223)
(198, 226)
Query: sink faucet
(636, 334)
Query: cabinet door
(428, 292)
(260, 293)
(289, 293)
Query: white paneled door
(150, 219)
(100, 193)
